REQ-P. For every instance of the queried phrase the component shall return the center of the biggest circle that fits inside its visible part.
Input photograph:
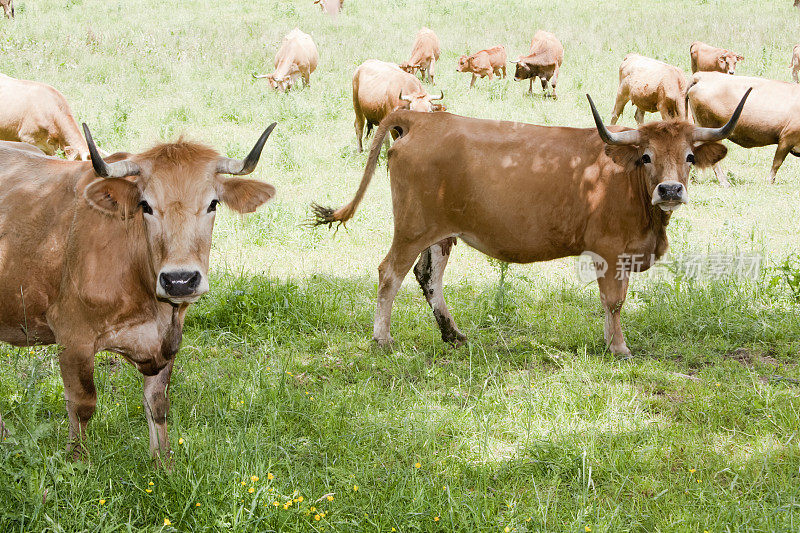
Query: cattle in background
(109, 255)
(651, 86)
(772, 115)
(379, 88)
(490, 62)
(522, 193)
(38, 114)
(795, 61)
(424, 54)
(543, 61)
(8, 8)
(709, 58)
(331, 7)
(296, 58)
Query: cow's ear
(740, 58)
(115, 197)
(624, 156)
(709, 154)
(243, 195)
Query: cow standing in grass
(651, 86)
(8, 8)
(296, 58)
(424, 54)
(522, 193)
(36, 113)
(379, 88)
(709, 58)
(490, 62)
(795, 64)
(109, 255)
(543, 61)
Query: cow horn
(513, 60)
(405, 98)
(622, 138)
(120, 169)
(239, 167)
(441, 97)
(717, 134)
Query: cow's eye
(213, 206)
(645, 159)
(690, 159)
(146, 209)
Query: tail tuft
(322, 216)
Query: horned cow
(424, 54)
(296, 58)
(543, 61)
(109, 255)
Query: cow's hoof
(725, 184)
(384, 343)
(620, 350)
(455, 338)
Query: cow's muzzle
(670, 195)
(181, 285)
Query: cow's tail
(686, 99)
(326, 215)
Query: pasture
(284, 415)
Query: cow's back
(37, 197)
(547, 47)
(28, 107)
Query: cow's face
(727, 62)
(8, 8)
(174, 190)
(662, 153)
(463, 64)
(421, 101)
(279, 84)
(407, 67)
(523, 71)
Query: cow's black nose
(670, 192)
(180, 283)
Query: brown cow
(379, 88)
(424, 54)
(712, 59)
(331, 7)
(795, 61)
(772, 117)
(522, 193)
(543, 61)
(8, 8)
(38, 114)
(490, 62)
(651, 86)
(297, 57)
(108, 255)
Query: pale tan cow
(38, 114)
(424, 54)
(543, 62)
(522, 193)
(709, 58)
(490, 62)
(8, 8)
(108, 255)
(651, 85)
(331, 7)
(795, 62)
(379, 88)
(296, 58)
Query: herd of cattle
(107, 252)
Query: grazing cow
(795, 61)
(652, 86)
(108, 255)
(709, 58)
(38, 114)
(772, 116)
(8, 8)
(331, 7)
(424, 55)
(522, 193)
(296, 57)
(490, 62)
(543, 61)
(379, 88)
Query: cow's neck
(655, 220)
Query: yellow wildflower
(151, 483)
(243, 484)
(180, 440)
(313, 509)
(506, 529)
(355, 488)
(435, 518)
(102, 502)
(148, 491)
(587, 529)
(197, 504)
(330, 498)
(417, 465)
(251, 490)
(317, 517)
(270, 476)
(275, 503)
(253, 478)
(167, 522)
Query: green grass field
(286, 418)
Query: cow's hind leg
(780, 154)
(554, 82)
(722, 178)
(429, 272)
(77, 372)
(613, 290)
(156, 408)
(619, 103)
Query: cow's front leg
(613, 290)
(722, 178)
(429, 272)
(156, 408)
(77, 372)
